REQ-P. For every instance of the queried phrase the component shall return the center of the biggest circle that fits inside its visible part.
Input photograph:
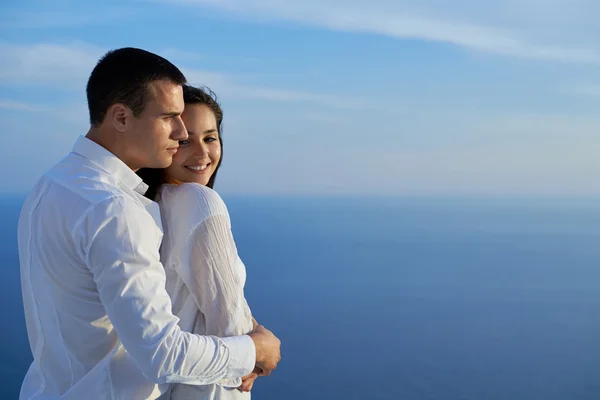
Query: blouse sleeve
(208, 261)
(211, 278)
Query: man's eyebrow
(170, 114)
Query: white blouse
(205, 276)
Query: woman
(205, 276)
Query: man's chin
(164, 163)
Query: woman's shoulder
(192, 197)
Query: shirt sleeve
(122, 252)
(209, 269)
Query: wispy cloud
(510, 33)
(67, 66)
(74, 113)
(43, 19)
(231, 86)
(20, 106)
(58, 65)
(592, 90)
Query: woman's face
(198, 156)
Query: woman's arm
(207, 260)
(208, 269)
(206, 256)
(211, 277)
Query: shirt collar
(110, 163)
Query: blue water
(403, 299)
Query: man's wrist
(242, 355)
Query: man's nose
(180, 132)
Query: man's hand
(267, 349)
(248, 380)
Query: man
(98, 317)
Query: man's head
(135, 99)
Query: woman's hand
(248, 380)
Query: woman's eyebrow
(204, 133)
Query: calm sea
(402, 298)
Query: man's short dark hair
(122, 76)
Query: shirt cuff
(243, 358)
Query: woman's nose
(200, 151)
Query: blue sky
(323, 97)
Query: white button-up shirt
(205, 275)
(98, 316)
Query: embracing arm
(121, 251)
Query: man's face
(153, 136)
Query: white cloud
(20, 106)
(490, 170)
(57, 65)
(67, 66)
(524, 28)
(592, 90)
(43, 19)
(229, 86)
(76, 114)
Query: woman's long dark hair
(155, 178)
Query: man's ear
(119, 116)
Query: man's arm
(121, 249)
(248, 380)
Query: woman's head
(199, 157)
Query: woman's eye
(183, 142)
(210, 139)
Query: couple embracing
(132, 284)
